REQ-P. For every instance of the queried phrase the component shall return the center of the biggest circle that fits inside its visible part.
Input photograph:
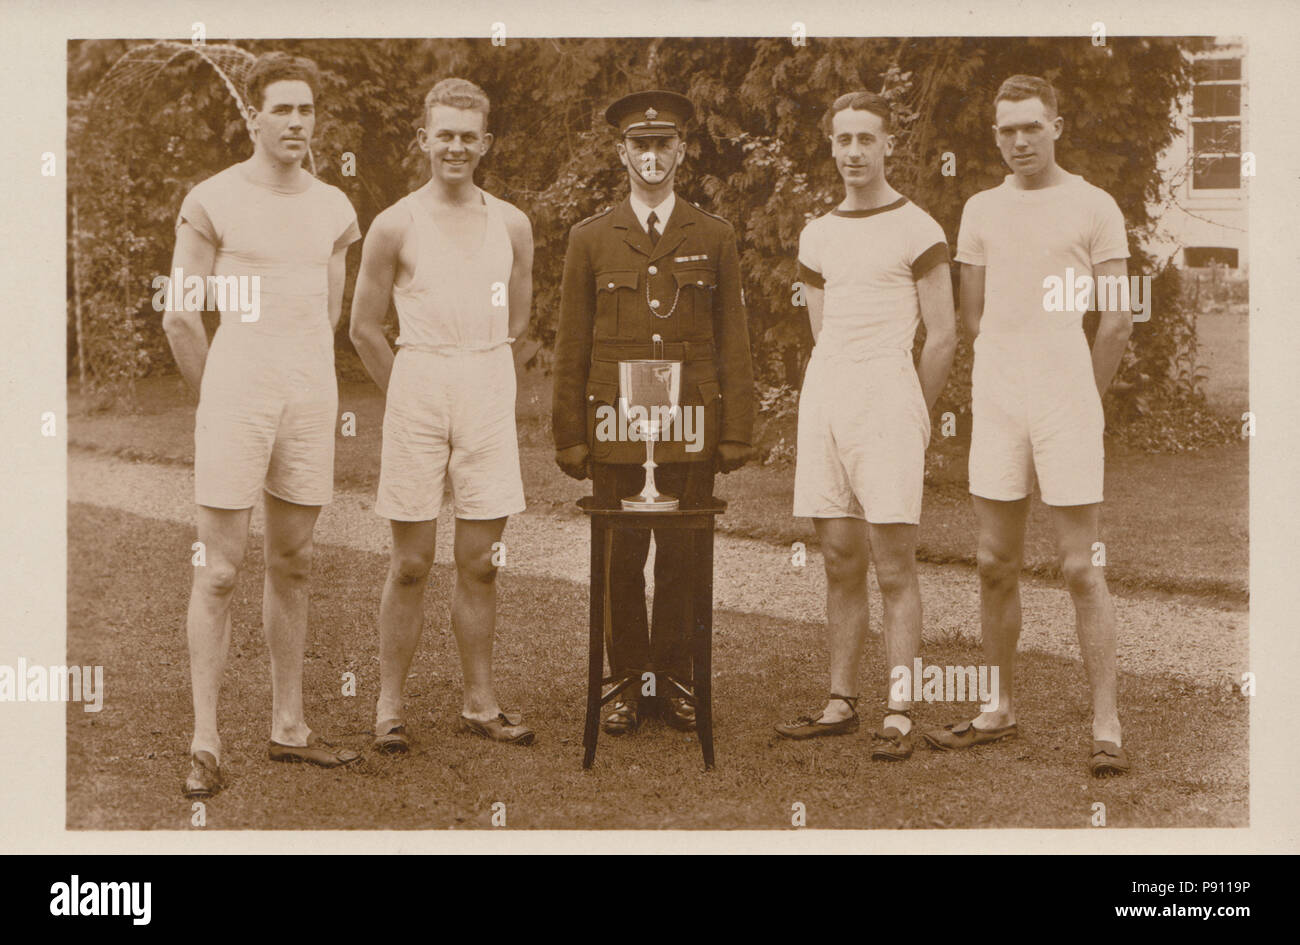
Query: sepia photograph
(698, 430)
(774, 415)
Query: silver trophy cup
(648, 394)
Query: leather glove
(731, 456)
(573, 461)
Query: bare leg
(1000, 556)
(401, 611)
(1094, 612)
(284, 612)
(224, 533)
(846, 553)
(893, 549)
(474, 611)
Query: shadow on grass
(128, 582)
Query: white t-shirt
(1022, 237)
(285, 239)
(868, 263)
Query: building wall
(1203, 212)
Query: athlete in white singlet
(267, 397)
(457, 265)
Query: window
(1216, 124)
(1195, 257)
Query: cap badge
(651, 114)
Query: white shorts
(450, 414)
(1036, 409)
(863, 430)
(267, 408)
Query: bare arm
(972, 297)
(371, 296)
(1113, 329)
(934, 292)
(338, 273)
(521, 279)
(816, 299)
(194, 255)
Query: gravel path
(1191, 640)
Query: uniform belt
(644, 350)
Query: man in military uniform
(654, 266)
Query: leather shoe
(891, 745)
(205, 776)
(317, 752)
(812, 726)
(501, 729)
(679, 712)
(624, 718)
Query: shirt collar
(662, 212)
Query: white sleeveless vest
(449, 301)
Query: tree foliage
(756, 154)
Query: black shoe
(624, 718)
(679, 712)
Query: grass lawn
(1222, 332)
(126, 764)
(1171, 523)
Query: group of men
(654, 276)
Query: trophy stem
(650, 499)
(651, 492)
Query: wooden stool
(699, 614)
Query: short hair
(864, 101)
(1021, 87)
(279, 67)
(458, 93)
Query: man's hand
(573, 460)
(731, 456)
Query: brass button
(653, 270)
(610, 286)
(699, 282)
(654, 303)
(591, 396)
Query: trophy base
(643, 503)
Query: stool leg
(702, 547)
(599, 615)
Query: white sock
(895, 720)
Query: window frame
(1209, 158)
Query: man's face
(455, 140)
(283, 127)
(1026, 134)
(653, 159)
(859, 144)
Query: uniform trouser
(667, 638)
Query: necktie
(650, 227)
